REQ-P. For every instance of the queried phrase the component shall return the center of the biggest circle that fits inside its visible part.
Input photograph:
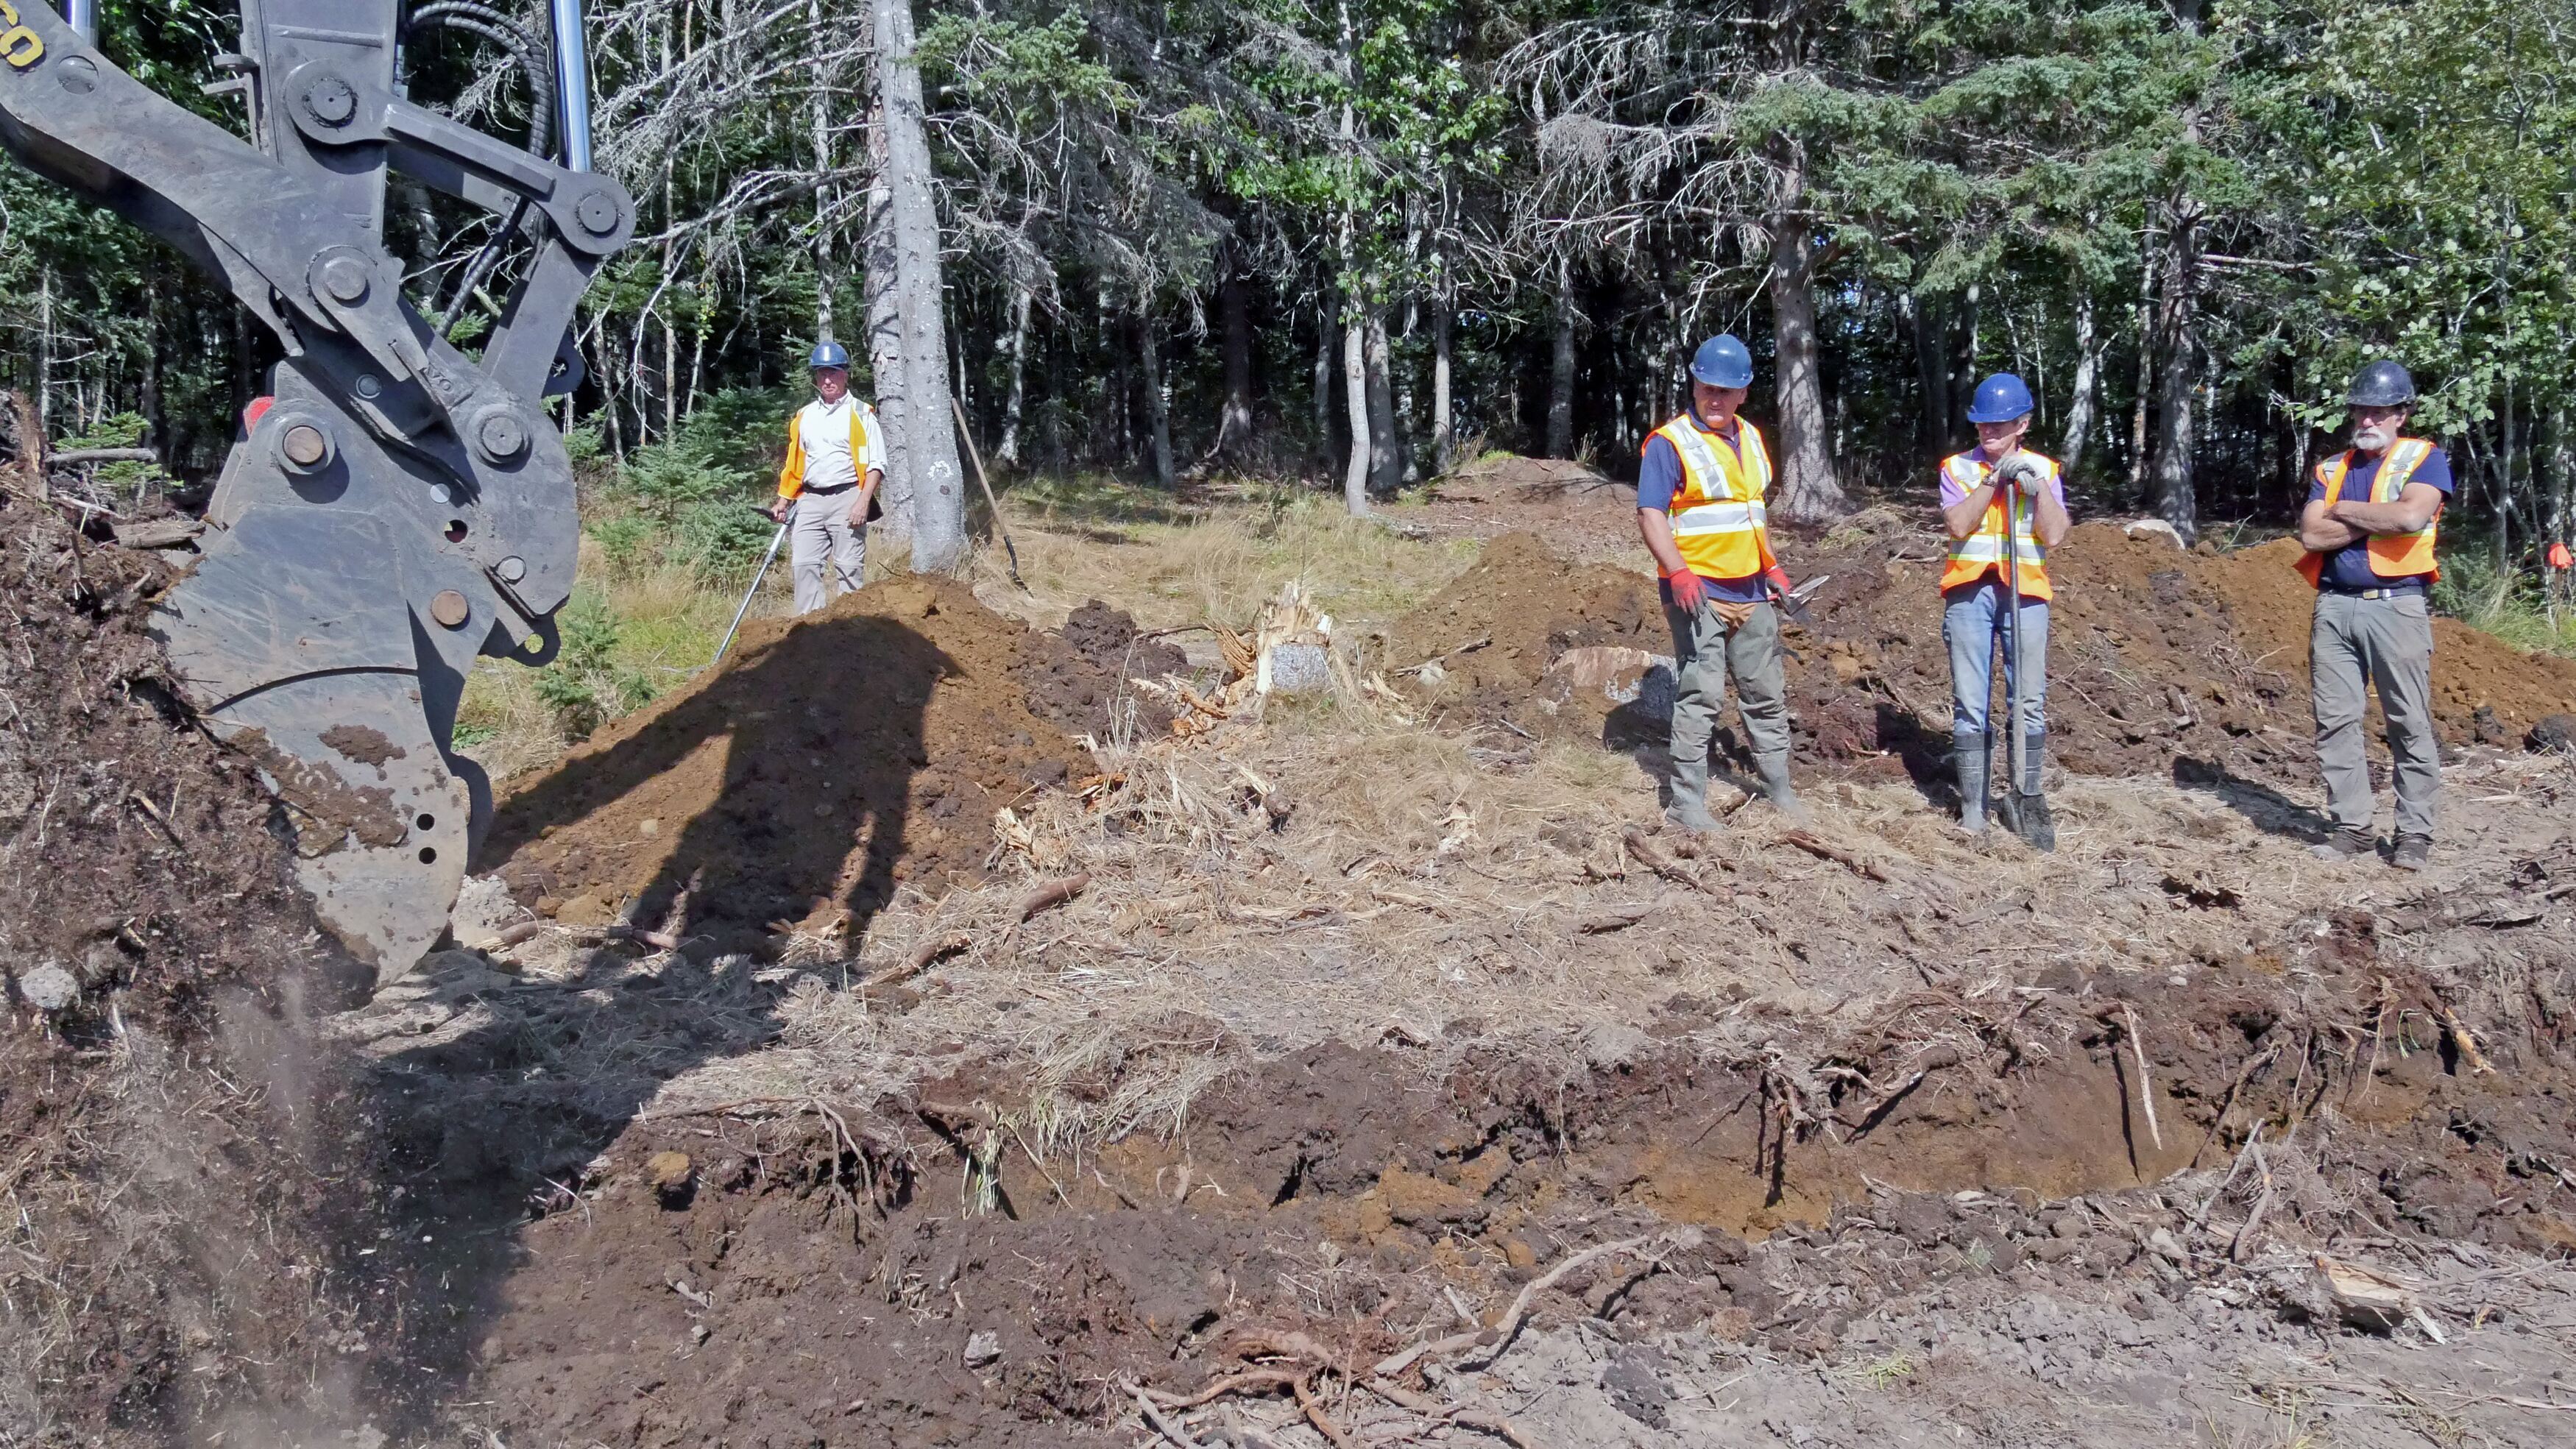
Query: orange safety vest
(791, 478)
(1717, 517)
(1982, 552)
(2392, 555)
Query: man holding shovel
(2004, 507)
(834, 451)
(1699, 508)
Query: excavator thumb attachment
(401, 506)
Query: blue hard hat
(1723, 361)
(828, 354)
(2000, 399)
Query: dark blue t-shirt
(2347, 569)
(1659, 477)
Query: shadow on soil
(493, 1116)
(2271, 812)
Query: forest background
(1348, 241)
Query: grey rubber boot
(1968, 757)
(1774, 770)
(2025, 808)
(1689, 807)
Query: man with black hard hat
(2369, 531)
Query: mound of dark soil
(763, 1273)
(2160, 660)
(833, 759)
(166, 1263)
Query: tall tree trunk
(1932, 365)
(1355, 478)
(938, 481)
(1234, 319)
(1386, 452)
(1443, 444)
(819, 119)
(1158, 410)
(885, 333)
(2179, 342)
(1809, 491)
(2146, 368)
(1560, 372)
(1015, 351)
(1325, 311)
(2088, 366)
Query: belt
(829, 492)
(2398, 591)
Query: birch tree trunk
(2080, 412)
(930, 442)
(1158, 410)
(1015, 348)
(1443, 444)
(1560, 372)
(1355, 478)
(1323, 388)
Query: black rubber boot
(1968, 758)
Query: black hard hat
(2381, 384)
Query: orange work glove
(1778, 578)
(1688, 592)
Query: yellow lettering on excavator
(8, 13)
(20, 46)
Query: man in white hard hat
(835, 462)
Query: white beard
(2373, 440)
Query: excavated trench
(935, 1268)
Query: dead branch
(1049, 893)
(1835, 853)
(2243, 1245)
(107, 455)
(2146, 1078)
(1249, 1381)
(924, 956)
(1653, 858)
(2468, 1044)
(1315, 1415)
(1494, 1424)
(1155, 1420)
(1614, 920)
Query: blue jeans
(1973, 625)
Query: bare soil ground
(1277, 1085)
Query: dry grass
(1171, 567)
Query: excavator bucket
(399, 507)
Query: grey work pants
(828, 553)
(2354, 644)
(1705, 654)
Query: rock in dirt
(833, 758)
(2555, 735)
(50, 988)
(982, 1347)
(1634, 1380)
(483, 910)
(669, 1172)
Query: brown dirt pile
(2159, 659)
(1584, 515)
(832, 760)
(164, 1263)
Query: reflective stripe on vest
(1982, 552)
(1717, 514)
(2392, 555)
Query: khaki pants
(828, 553)
(2354, 644)
(1705, 654)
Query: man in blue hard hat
(2004, 507)
(835, 460)
(2369, 529)
(1699, 508)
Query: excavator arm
(400, 506)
